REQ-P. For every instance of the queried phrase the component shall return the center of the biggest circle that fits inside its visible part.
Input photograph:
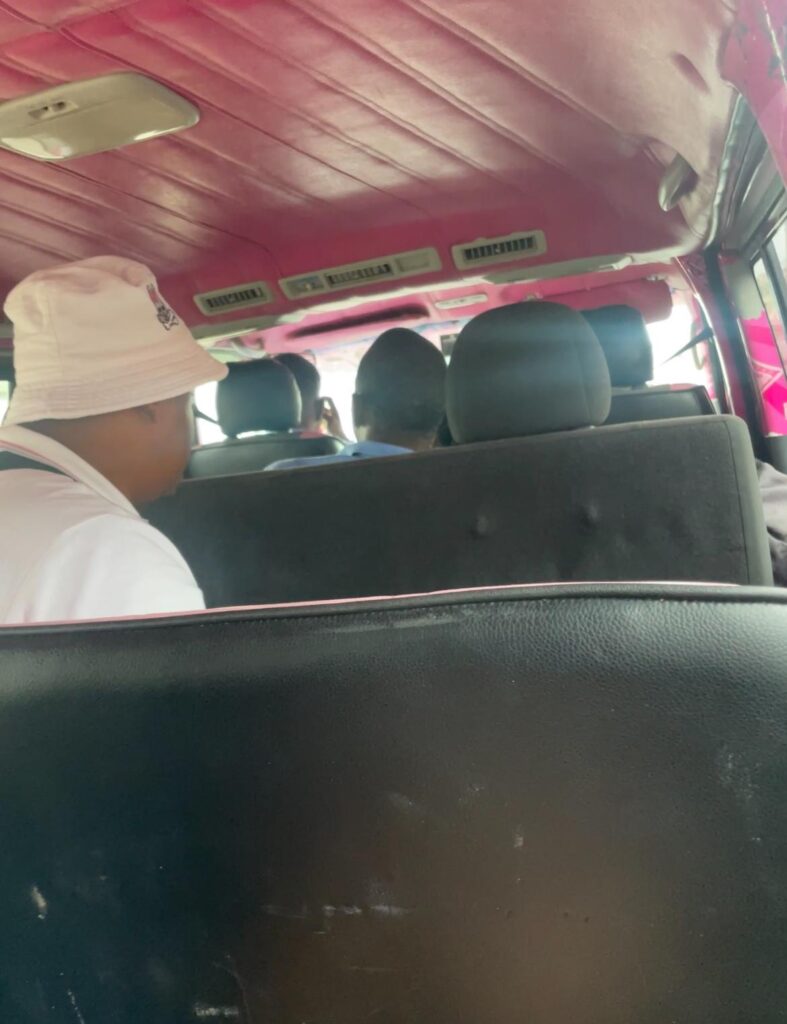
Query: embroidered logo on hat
(166, 316)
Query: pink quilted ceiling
(336, 131)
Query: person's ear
(151, 413)
(156, 413)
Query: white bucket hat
(96, 336)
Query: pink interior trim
(337, 132)
(755, 60)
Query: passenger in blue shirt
(398, 402)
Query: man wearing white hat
(99, 424)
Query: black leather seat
(259, 395)
(623, 335)
(525, 369)
(563, 806)
(672, 500)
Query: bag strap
(10, 460)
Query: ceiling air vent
(227, 300)
(355, 275)
(505, 249)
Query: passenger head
(400, 391)
(307, 377)
(105, 367)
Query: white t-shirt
(73, 547)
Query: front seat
(623, 335)
(259, 395)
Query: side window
(668, 337)
(338, 368)
(205, 401)
(778, 248)
(770, 273)
(5, 395)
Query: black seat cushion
(526, 510)
(559, 808)
(671, 401)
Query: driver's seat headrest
(260, 394)
(527, 368)
(623, 335)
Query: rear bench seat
(674, 500)
(558, 806)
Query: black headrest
(624, 338)
(260, 394)
(528, 368)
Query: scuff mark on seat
(75, 1005)
(39, 902)
(204, 1012)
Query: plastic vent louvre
(505, 249)
(359, 275)
(254, 293)
(350, 275)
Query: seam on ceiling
(27, 243)
(35, 26)
(114, 6)
(370, 46)
(42, 26)
(15, 65)
(216, 16)
(247, 173)
(367, 45)
(186, 186)
(271, 99)
(317, 76)
(424, 8)
(160, 236)
(48, 219)
(50, 190)
(168, 44)
(92, 182)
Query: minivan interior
(488, 726)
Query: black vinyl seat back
(534, 509)
(563, 808)
(667, 402)
(255, 396)
(623, 335)
(252, 454)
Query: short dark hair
(401, 378)
(306, 375)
